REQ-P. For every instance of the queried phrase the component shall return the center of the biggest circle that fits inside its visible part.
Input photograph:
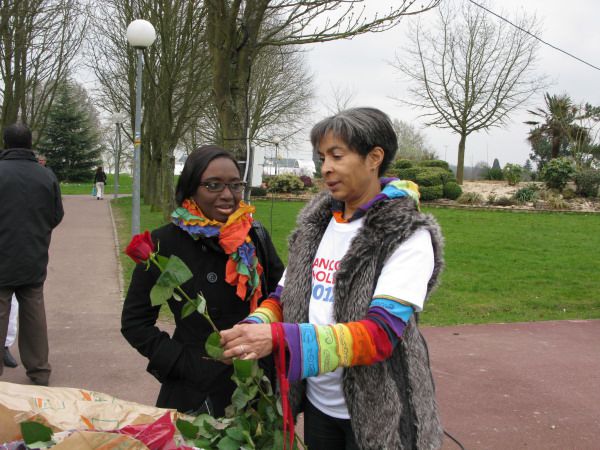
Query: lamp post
(140, 35)
(117, 118)
(276, 141)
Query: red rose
(141, 247)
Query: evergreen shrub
(587, 182)
(512, 173)
(431, 192)
(402, 164)
(434, 163)
(257, 191)
(526, 194)
(452, 190)
(431, 176)
(285, 183)
(494, 174)
(557, 172)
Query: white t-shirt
(404, 276)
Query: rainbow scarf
(390, 188)
(243, 269)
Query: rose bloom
(141, 247)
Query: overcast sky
(362, 65)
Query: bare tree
(412, 143)
(341, 98)
(39, 42)
(470, 71)
(176, 80)
(237, 31)
(279, 99)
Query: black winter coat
(178, 362)
(30, 208)
(99, 177)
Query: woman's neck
(350, 206)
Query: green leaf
(229, 444)
(188, 308)
(187, 429)
(202, 443)
(277, 440)
(236, 433)
(244, 368)
(179, 270)
(240, 399)
(34, 432)
(162, 261)
(213, 346)
(177, 297)
(201, 304)
(160, 294)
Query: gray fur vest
(392, 403)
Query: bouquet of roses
(254, 419)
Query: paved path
(513, 386)
(519, 386)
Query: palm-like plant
(557, 124)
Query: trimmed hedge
(434, 163)
(432, 176)
(452, 190)
(409, 173)
(431, 192)
(256, 191)
(402, 164)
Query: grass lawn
(500, 266)
(86, 188)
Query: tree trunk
(556, 138)
(460, 164)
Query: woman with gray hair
(363, 259)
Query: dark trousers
(33, 331)
(323, 432)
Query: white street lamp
(117, 118)
(140, 35)
(276, 140)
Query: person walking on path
(30, 208)
(99, 182)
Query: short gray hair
(361, 129)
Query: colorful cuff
(292, 338)
(310, 350)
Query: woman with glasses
(235, 266)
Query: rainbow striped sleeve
(316, 349)
(269, 310)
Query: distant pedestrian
(99, 181)
(9, 360)
(30, 208)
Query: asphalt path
(499, 386)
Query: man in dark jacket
(30, 208)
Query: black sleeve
(58, 206)
(167, 357)
(138, 325)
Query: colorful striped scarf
(390, 188)
(243, 269)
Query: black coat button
(211, 277)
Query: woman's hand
(247, 341)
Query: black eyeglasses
(216, 186)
